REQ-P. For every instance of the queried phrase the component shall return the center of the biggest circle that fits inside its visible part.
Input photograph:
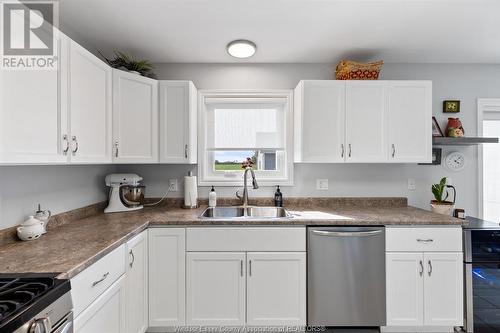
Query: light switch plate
(172, 185)
(322, 184)
(412, 184)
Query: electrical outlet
(411, 184)
(322, 184)
(449, 181)
(172, 185)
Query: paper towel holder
(196, 205)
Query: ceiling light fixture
(241, 48)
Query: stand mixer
(126, 192)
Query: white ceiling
(291, 31)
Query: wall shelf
(464, 141)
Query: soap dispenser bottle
(278, 197)
(212, 198)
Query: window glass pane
(491, 172)
(229, 160)
(231, 127)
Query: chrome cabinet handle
(241, 267)
(105, 275)
(421, 268)
(393, 150)
(66, 147)
(186, 151)
(342, 149)
(350, 150)
(133, 258)
(73, 138)
(249, 267)
(428, 240)
(430, 267)
(347, 233)
(116, 148)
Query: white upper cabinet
(33, 121)
(409, 114)
(89, 100)
(178, 121)
(135, 118)
(363, 121)
(366, 121)
(319, 119)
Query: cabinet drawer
(93, 281)
(424, 239)
(246, 239)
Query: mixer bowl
(132, 195)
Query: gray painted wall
(464, 82)
(58, 188)
(61, 188)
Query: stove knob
(40, 325)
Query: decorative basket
(351, 70)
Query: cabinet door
(319, 121)
(443, 299)
(366, 121)
(409, 130)
(90, 107)
(405, 289)
(167, 257)
(136, 284)
(106, 314)
(276, 288)
(215, 288)
(135, 118)
(178, 114)
(33, 116)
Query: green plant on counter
(123, 60)
(439, 189)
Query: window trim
(286, 94)
(484, 106)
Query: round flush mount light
(241, 48)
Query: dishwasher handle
(347, 233)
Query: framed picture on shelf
(436, 130)
(451, 106)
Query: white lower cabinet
(215, 288)
(136, 284)
(424, 289)
(167, 277)
(276, 288)
(106, 313)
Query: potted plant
(129, 63)
(440, 205)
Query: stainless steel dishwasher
(346, 276)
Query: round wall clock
(455, 161)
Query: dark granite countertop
(70, 247)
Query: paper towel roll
(190, 192)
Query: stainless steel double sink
(249, 212)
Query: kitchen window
(489, 157)
(245, 128)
